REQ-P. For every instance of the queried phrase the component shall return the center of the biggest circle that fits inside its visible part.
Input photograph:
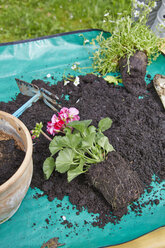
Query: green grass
(28, 19)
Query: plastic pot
(15, 188)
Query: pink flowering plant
(57, 123)
(65, 116)
(76, 144)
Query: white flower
(48, 75)
(119, 13)
(138, 4)
(136, 13)
(135, 5)
(122, 19)
(66, 82)
(104, 20)
(155, 5)
(141, 4)
(76, 81)
(161, 26)
(106, 14)
(73, 67)
(64, 217)
(86, 41)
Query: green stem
(74, 163)
(93, 154)
(88, 67)
(89, 160)
(46, 136)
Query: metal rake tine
(51, 100)
(49, 93)
(50, 105)
(43, 91)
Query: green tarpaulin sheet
(55, 55)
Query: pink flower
(65, 116)
(59, 125)
(69, 115)
(55, 127)
(75, 118)
(73, 112)
(54, 119)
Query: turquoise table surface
(29, 227)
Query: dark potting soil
(116, 181)
(134, 81)
(137, 134)
(11, 157)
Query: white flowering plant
(74, 80)
(127, 37)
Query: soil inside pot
(137, 134)
(11, 157)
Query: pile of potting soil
(137, 133)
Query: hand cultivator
(36, 93)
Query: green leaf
(88, 141)
(89, 130)
(64, 160)
(92, 129)
(71, 140)
(80, 125)
(111, 80)
(99, 136)
(55, 145)
(59, 142)
(71, 174)
(48, 167)
(104, 124)
(67, 130)
(104, 143)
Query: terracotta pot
(14, 189)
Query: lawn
(28, 19)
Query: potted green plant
(14, 189)
(129, 49)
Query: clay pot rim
(28, 153)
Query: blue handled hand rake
(36, 93)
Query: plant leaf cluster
(82, 145)
(127, 37)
